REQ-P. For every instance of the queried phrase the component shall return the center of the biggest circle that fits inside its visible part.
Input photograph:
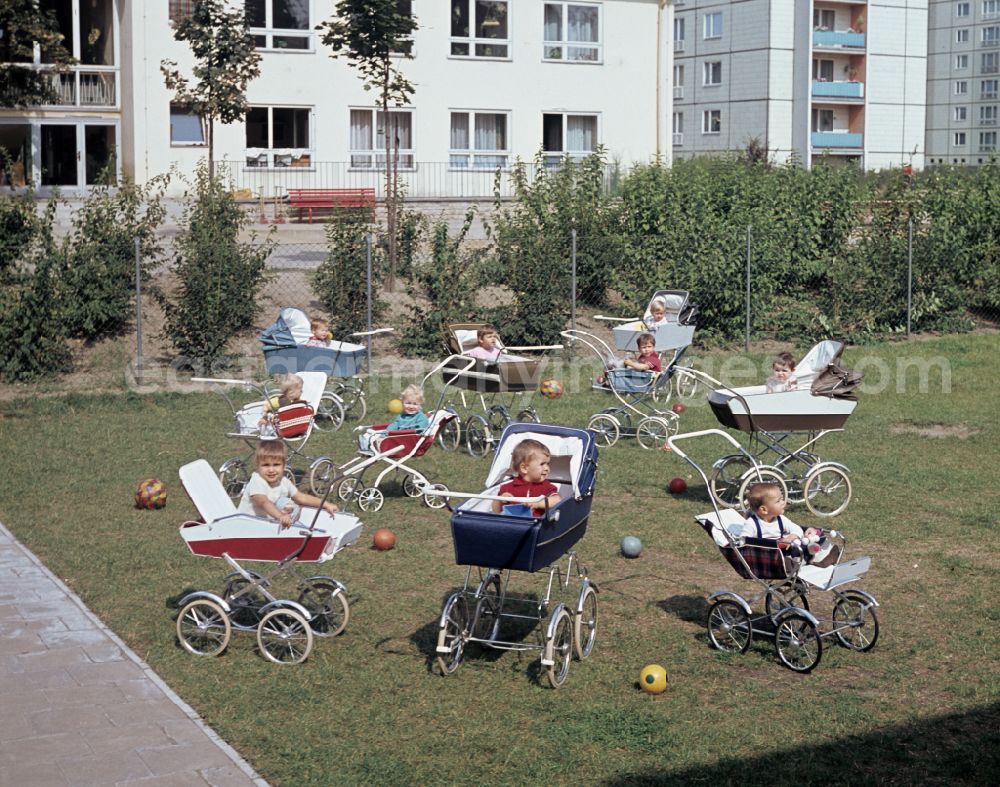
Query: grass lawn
(367, 707)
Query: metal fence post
(909, 275)
(138, 315)
(368, 253)
(746, 342)
(572, 303)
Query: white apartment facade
(806, 78)
(963, 81)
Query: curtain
(491, 132)
(581, 133)
(459, 131)
(582, 24)
(552, 29)
(361, 129)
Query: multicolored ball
(151, 493)
(550, 389)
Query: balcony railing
(838, 89)
(678, 138)
(86, 88)
(837, 39)
(987, 121)
(987, 148)
(679, 45)
(678, 91)
(990, 43)
(836, 139)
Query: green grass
(924, 705)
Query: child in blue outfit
(412, 417)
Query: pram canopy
(506, 541)
(509, 373)
(675, 332)
(285, 351)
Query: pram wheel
(329, 413)
(729, 627)
(528, 416)
(685, 385)
(410, 486)
(203, 628)
(798, 643)
(370, 499)
(558, 647)
(244, 600)
(486, 621)
(321, 473)
(478, 437)
(234, 476)
(761, 475)
(452, 634)
(796, 468)
(652, 432)
(326, 600)
(727, 476)
(585, 622)
(352, 397)
(284, 637)
(605, 428)
(433, 501)
(785, 596)
(498, 417)
(350, 488)
(450, 433)
(855, 622)
(827, 491)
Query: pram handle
(224, 381)
(372, 332)
(539, 347)
(673, 439)
(472, 496)
(616, 319)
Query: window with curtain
(186, 127)
(822, 120)
(278, 136)
(367, 138)
(822, 70)
(180, 10)
(711, 121)
(565, 135)
(989, 62)
(571, 32)
(478, 140)
(480, 28)
(404, 8)
(279, 24)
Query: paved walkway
(77, 707)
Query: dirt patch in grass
(961, 431)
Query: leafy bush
(341, 280)
(220, 278)
(19, 225)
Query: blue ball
(631, 546)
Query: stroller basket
(636, 380)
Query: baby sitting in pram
(412, 417)
(646, 360)
(765, 521)
(529, 462)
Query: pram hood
(837, 383)
(677, 308)
(290, 329)
(569, 448)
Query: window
(958, 139)
(822, 70)
(478, 140)
(567, 135)
(711, 121)
(961, 61)
(572, 32)
(678, 81)
(991, 35)
(479, 28)
(368, 138)
(990, 62)
(962, 35)
(180, 10)
(823, 18)
(991, 8)
(961, 87)
(186, 128)
(988, 88)
(678, 34)
(961, 113)
(404, 8)
(713, 25)
(278, 137)
(279, 24)
(988, 115)
(822, 120)
(961, 9)
(987, 141)
(678, 127)
(713, 73)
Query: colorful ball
(395, 406)
(653, 679)
(678, 486)
(151, 494)
(678, 408)
(631, 546)
(551, 389)
(383, 539)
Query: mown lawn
(923, 706)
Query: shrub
(19, 225)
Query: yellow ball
(653, 679)
(274, 403)
(395, 406)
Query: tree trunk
(211, 148)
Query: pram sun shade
(676, 331)
(509, 374)
(227, 531)
(812, 407)
(286, 352)
(508, 541)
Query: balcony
(838, 89)
(836, 139)
(987, 148)
(86, 88)
(834, 39)
(678, 91)
(679, 45)
(678, 139)
(987, 121)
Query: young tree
(226, 62)
(22, 24)
(371, 34)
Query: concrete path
(77, 707)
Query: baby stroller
(286, 352)
(783, 429)
(500, 388)
(784, 579)
(293, 424)
(285, 628)
(494, 546)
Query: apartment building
(963, 77)
(805, 78)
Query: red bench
(329, 199)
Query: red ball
(678, 408)
(678, 486)
(384, 539)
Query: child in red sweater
(530, 463)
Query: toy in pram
(284, 628)
(785, 579)
(293, 424)
(823, 401)
(494, 546)
(500, 388)
(395, 450)
(286, 352)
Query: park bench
(329, 199)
